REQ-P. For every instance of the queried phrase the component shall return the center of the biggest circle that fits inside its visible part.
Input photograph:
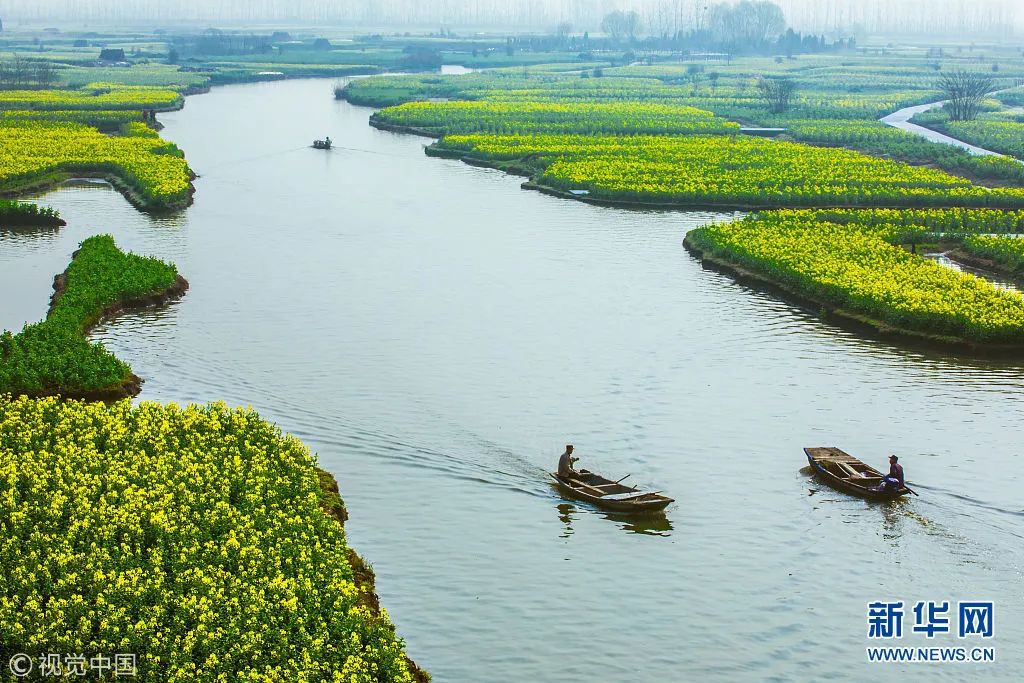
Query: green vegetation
(1005, 253)
(23, 214)
(853, 261)
(102, 96)
(106, 121)
(53, 357)
(993, 131)
(445, 118)
(194, 537)
(838, 100)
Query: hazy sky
(954, 17)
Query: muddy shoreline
(362, 574)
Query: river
(436, 335)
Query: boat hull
(653, 503)
(845, 485)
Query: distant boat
(842, 471)
(609, 494)
(322, 144)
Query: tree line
(660, 17)
(20, 72)
(746, 27)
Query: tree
(777, 93)
(46, 74)
(19, 68)
(619, 24)
(964, 91)
(746, 24)
(563, 30)
(695, 74)
(713, 78)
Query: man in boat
(565, 468)
(894, 480)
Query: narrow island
(866, 268)
(53, 357)
(22, 214)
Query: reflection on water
(566, 512)
(26, 234)
(649, 524)
(433, 332)
(893, 518)
(944, 259)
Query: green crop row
(446, 118)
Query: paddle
(911, 490)
(623, 479)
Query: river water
(436, 335)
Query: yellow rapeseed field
(190, 536)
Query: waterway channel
(437, 334)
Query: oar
(911, 490)
(624, 478)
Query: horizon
(998, 19)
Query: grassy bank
(194, 537)
(53, 357)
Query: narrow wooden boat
(842, 471)
(609, 494)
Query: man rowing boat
(565, 468)
(894, 480)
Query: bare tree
(746, 24)
(19, 70)
(563, 30)
(620, 24)
(45, 73)
(964, 91)
(777, 93)
(695, 74)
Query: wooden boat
(322, 144)
(609, 494)
(842, 471)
